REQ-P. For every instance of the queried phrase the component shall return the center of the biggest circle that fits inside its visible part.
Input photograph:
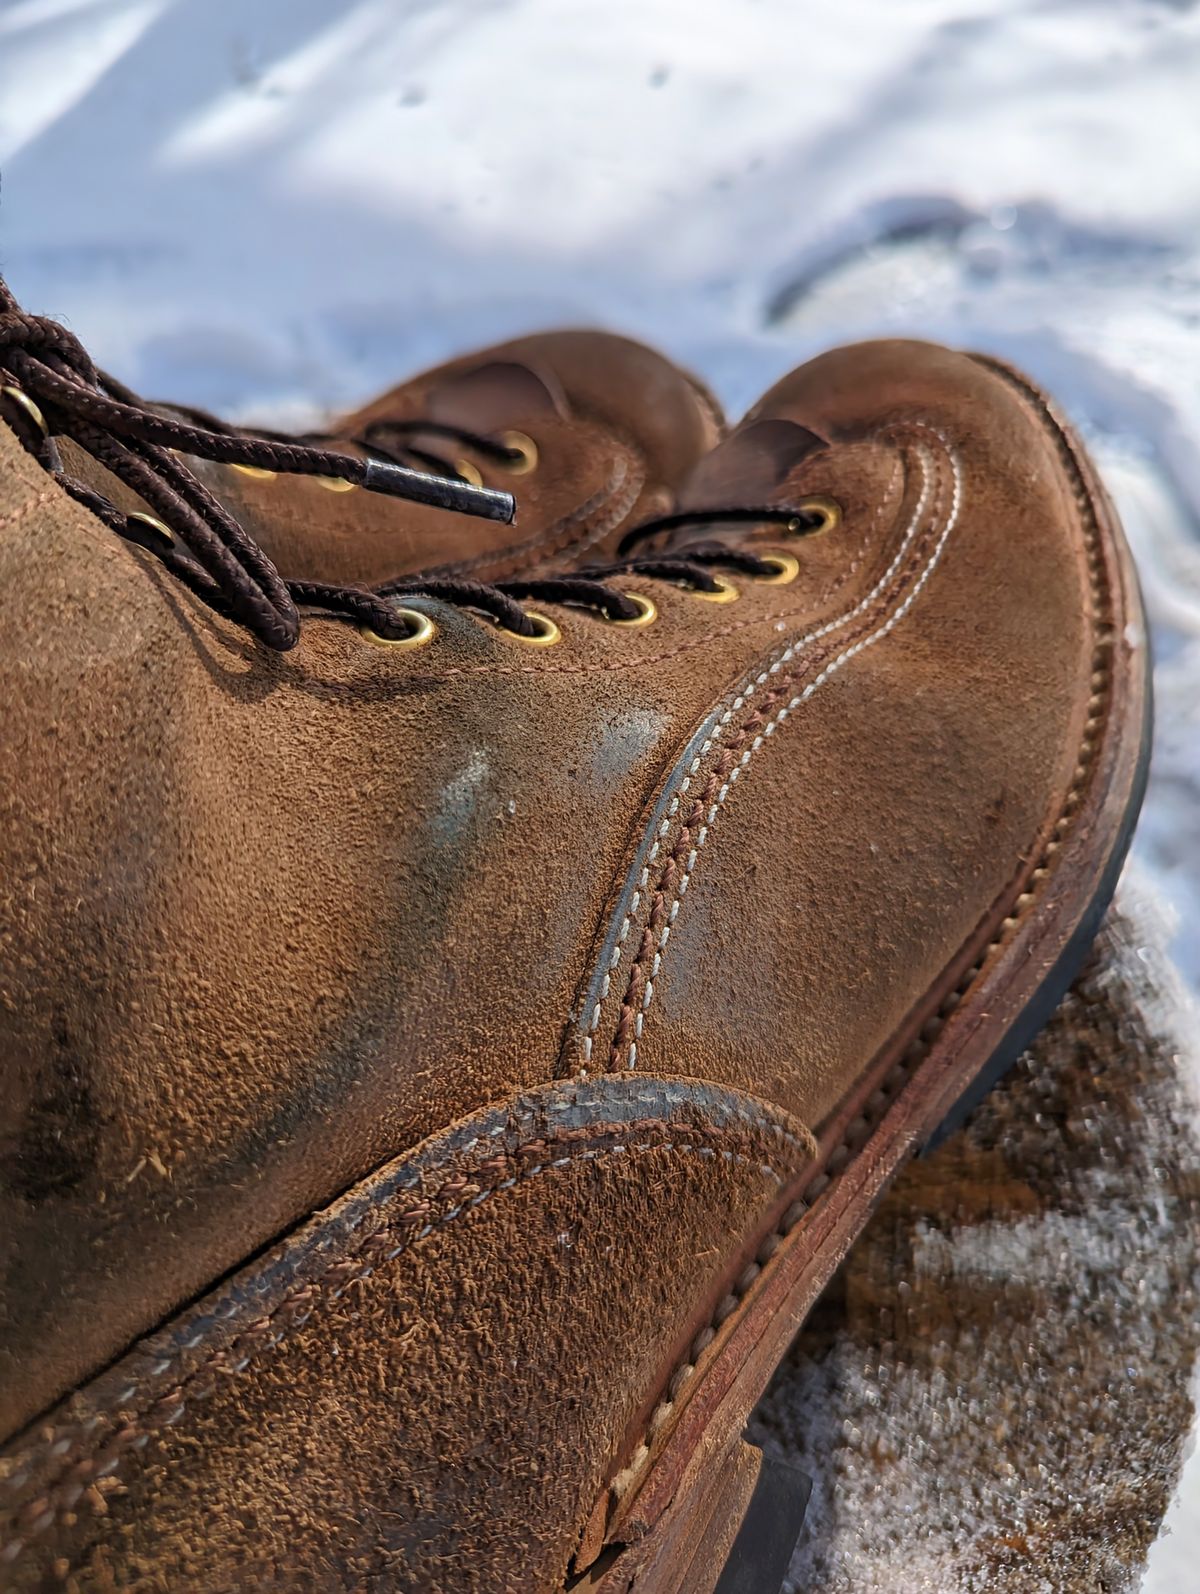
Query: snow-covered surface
(273, 206)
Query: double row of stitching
(861, 1128)
(908, 566)
(95, 1448)
(747, 691)
(752, 736)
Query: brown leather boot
(589, 431)
(440, 1075)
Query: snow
(273, 209)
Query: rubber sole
(769, 1532)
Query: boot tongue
(748, 469)
(750, 466)
(495, 396)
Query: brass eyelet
(785, 567)
(335, 484)
(469, 473)
(546, 636)
(423, 631)
(259, 472)
(726, 592)
(30, 408)
(828, 508)
(647, 612)
(526, 450)
(155, 525)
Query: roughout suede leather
(848, 853)
(271, 921)
(617, 428)
(490, 1247)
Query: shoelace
(372, 441)
(55, 390)
(591, 586)
(50, 388)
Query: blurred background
(273, 207)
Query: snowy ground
(273, 206)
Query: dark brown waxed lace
(210, 552)
(372, 440)
(796, 520)
(591, 585)
(204, 545)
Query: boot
(452, 1032)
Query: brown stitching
(618, 513)
(674, 871)
(419, 1218)
(860, 1129)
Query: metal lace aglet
(442, 492)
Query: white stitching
(829, 670)
(748, 691)
(739, 703)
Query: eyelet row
(547, 632)
(331, 484)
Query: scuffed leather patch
(620, 1160)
